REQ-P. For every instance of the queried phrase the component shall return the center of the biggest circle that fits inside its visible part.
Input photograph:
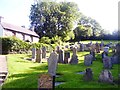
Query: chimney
(23, 26)
(1, 18)
(32, 28)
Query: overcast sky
(104, 11)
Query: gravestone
(43, 52)
(101, 45)
(88, 60)
(74, 59)
(104, 54)
(106, 77)
(60, 56)
(115, 59)
(97, 48)
(57, 49)
(114, 48)
(118, 49)
(88, 76)
(45, 81)
(52, 63)
(66, 56)
(33, 54)
(92, 51)
(116, 56)
(106, 49)
(81, 47)
(39, 55)
(86, 47)
(107, 62)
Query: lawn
(24, 73)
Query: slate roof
(19, 29)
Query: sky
(104, 11)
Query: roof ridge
(20, 29)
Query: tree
(91, 23)
(81, 32)
(51, 19)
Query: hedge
(15, 45)
(12, 44)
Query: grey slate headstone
(107, 62)
(115, 59)
(97, 48)
(74, 58)
(88, 76)
(52, 63)
(106, 77)
(66, 56)
(33, 54)
(60, 56)
(43, 52)
(88, 60)
(39, 55)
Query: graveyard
(58, 46)
(24, 73)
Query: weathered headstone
(92, 51)
(88, 60)
(97, 48)
(106, 77)
(115, 59)
(81, 47)
(45, 81)
(52, 63)
(57, 49)
(104, 54)
(93, 54)
(88, 76)
(86, 47)
(107, 62)
(33, 54)
(106, 49)
(116, 56)
(61, 56)
(118, 49)
(39, 55)
(101, 45)
(66, 56)
(114, 48)
(43, 52)
(74, 59)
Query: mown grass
(24, 73)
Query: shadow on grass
(26, 80)
(68, 71)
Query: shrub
(12, 44)
(6, 45)
(45, 40)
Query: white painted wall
(7, 33)
(19, 35)
(35, 39)
(27, 37)
(1, 31)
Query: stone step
(2, 75)
(1, 80)
(4, 72)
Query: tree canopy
(51, 19)
(87, 27)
